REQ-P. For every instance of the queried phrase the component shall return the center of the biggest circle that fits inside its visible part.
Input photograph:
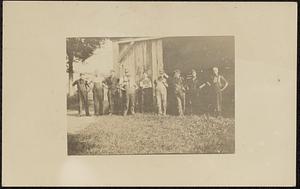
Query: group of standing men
(122, 93)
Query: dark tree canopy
(81, 48)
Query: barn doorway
(201, 53)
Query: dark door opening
(201, 54)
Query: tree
(80, 49)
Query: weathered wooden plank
(139, 39)
(125, 51)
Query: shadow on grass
(76, 146)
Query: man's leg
(109, 98)
(195, 103)
(219, 104)
(86, 104)
(126, 104)
(113, 102)
(179, 105)
(96, 103)
(132, 105)
(158, 101)
(164, 102)
(119, 103)
(142, 101)
(80, 101)
(183, 102)
(148, 100)
(189, 103)
(101, 99)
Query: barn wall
(144, 56)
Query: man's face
(81, 76)
(194, 74)
(145, 75)
(215, 70)
(177, 74)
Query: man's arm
(165, 75)
(104, 84)
(203, 85)
(226, 83)
(135, 86)
(87, 84)
(165, 83)
(74, 83)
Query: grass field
(149, 134)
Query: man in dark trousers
(193, 85)
(82, 89)
(98, 93)
(146, 96)
(130, 87)
(112, 83)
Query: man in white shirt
(219, 84)
(161, 93)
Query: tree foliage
(79, 48)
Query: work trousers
(129, 103)
(192, 99)
(83, 102)
(112, 96)
(180, 98)
(146, 100)
(218, 103)
(161, 101)
(98, 101)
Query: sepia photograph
(150, 95)
(163, 93)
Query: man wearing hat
(112, 83)
(129, 86)
(179, 91)
(82, 89)
(161, 92)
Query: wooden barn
(151, 54)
